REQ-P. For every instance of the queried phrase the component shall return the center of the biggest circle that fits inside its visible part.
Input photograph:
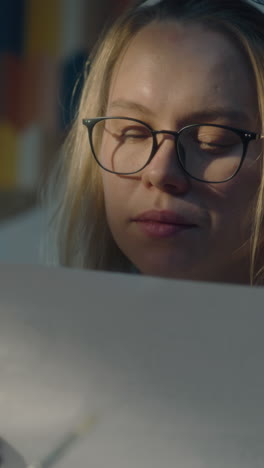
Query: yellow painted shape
(42, 27)
(8, 156)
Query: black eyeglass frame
(246, 137)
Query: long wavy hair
(78, 219)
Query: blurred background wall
(43, 47)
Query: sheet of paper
(172, 371)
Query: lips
(166, 217)
(160, 224)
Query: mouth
(162, 224)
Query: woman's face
(166, 223)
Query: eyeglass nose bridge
(168, 132)
(164, 132)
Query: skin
(178, 73)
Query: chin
(162, 271)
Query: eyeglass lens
(206, 152)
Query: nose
(164, 171)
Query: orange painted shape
(13, 83)
(42, 27)
(8, 156)
(3, 86)
(30, 82)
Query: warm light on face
(166, 80)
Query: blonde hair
(79, 222)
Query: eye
(217, 141)
(214, 146)
(134, 132)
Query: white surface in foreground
(174, 370)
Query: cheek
(115, 195)
(109, 193)
(233, 203)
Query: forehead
(187, 66)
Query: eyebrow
(130, 105)
(209, 114)
(218, 113)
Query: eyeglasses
(205, 152)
